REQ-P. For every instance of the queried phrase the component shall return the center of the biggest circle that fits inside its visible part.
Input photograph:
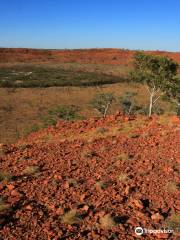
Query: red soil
(138, 169)
(100, 56)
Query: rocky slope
(92, 179)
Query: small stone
(59, 211)
(100, 213)
(127, 190)
(82, 197)
(46, 182)
(10, 187)
(157, 217)
(66, 185)
(140, 215)
(177, 205)
(28, 207)
(13, 199)
(1, 145)
(14, 193)
(1, 186)
(133, 221)
(162, 236)
(175, 119)
(57, 177)
(138, 204)
(85, 208)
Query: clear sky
(133, 24)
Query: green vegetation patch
(48, 76)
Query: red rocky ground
(95, 56)
(114, 173)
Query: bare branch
(157, 91)
(148, 89)
(157, 98)
(106, 109)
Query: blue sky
(133, 24)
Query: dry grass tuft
(173, 222)
(122, 157)
(5, 176)
(23, 147)
(107, 221)
(123, 177)
(100, 185)
(71, 217)
(172, 187)
(31, 170)
(134, 135)
(101, 130)
(72, 182)
(4, 206)
(89, 154)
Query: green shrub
(33, 128)
(176, 109)
(128, 103)
(47, 76)
(102, 102)
(5, 176)
(155, 110)
(65, 112)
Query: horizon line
(93, 48)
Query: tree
(173, 93)
(102, 102)
(128, 102)
(157, 73)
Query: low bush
(102, 102)
(65, 112)
(71, 217)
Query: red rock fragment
(133, 221)
(162, 235)
(66, 185)
(15, 193)
(10, 187)
(13, 199)
(157, 217)
(138, 204)
(127, 190)
(82, 197)
(59, 211)
(1, 186)
(46, 182)
(175, 119)
(177, 205)
(29, 208)
(85, 208)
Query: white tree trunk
(150, 103)
(106, 109)
(154, 95)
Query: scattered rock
(157, 217)
(77, 194)
(162, 235)
(137, 203)
(10, 187)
